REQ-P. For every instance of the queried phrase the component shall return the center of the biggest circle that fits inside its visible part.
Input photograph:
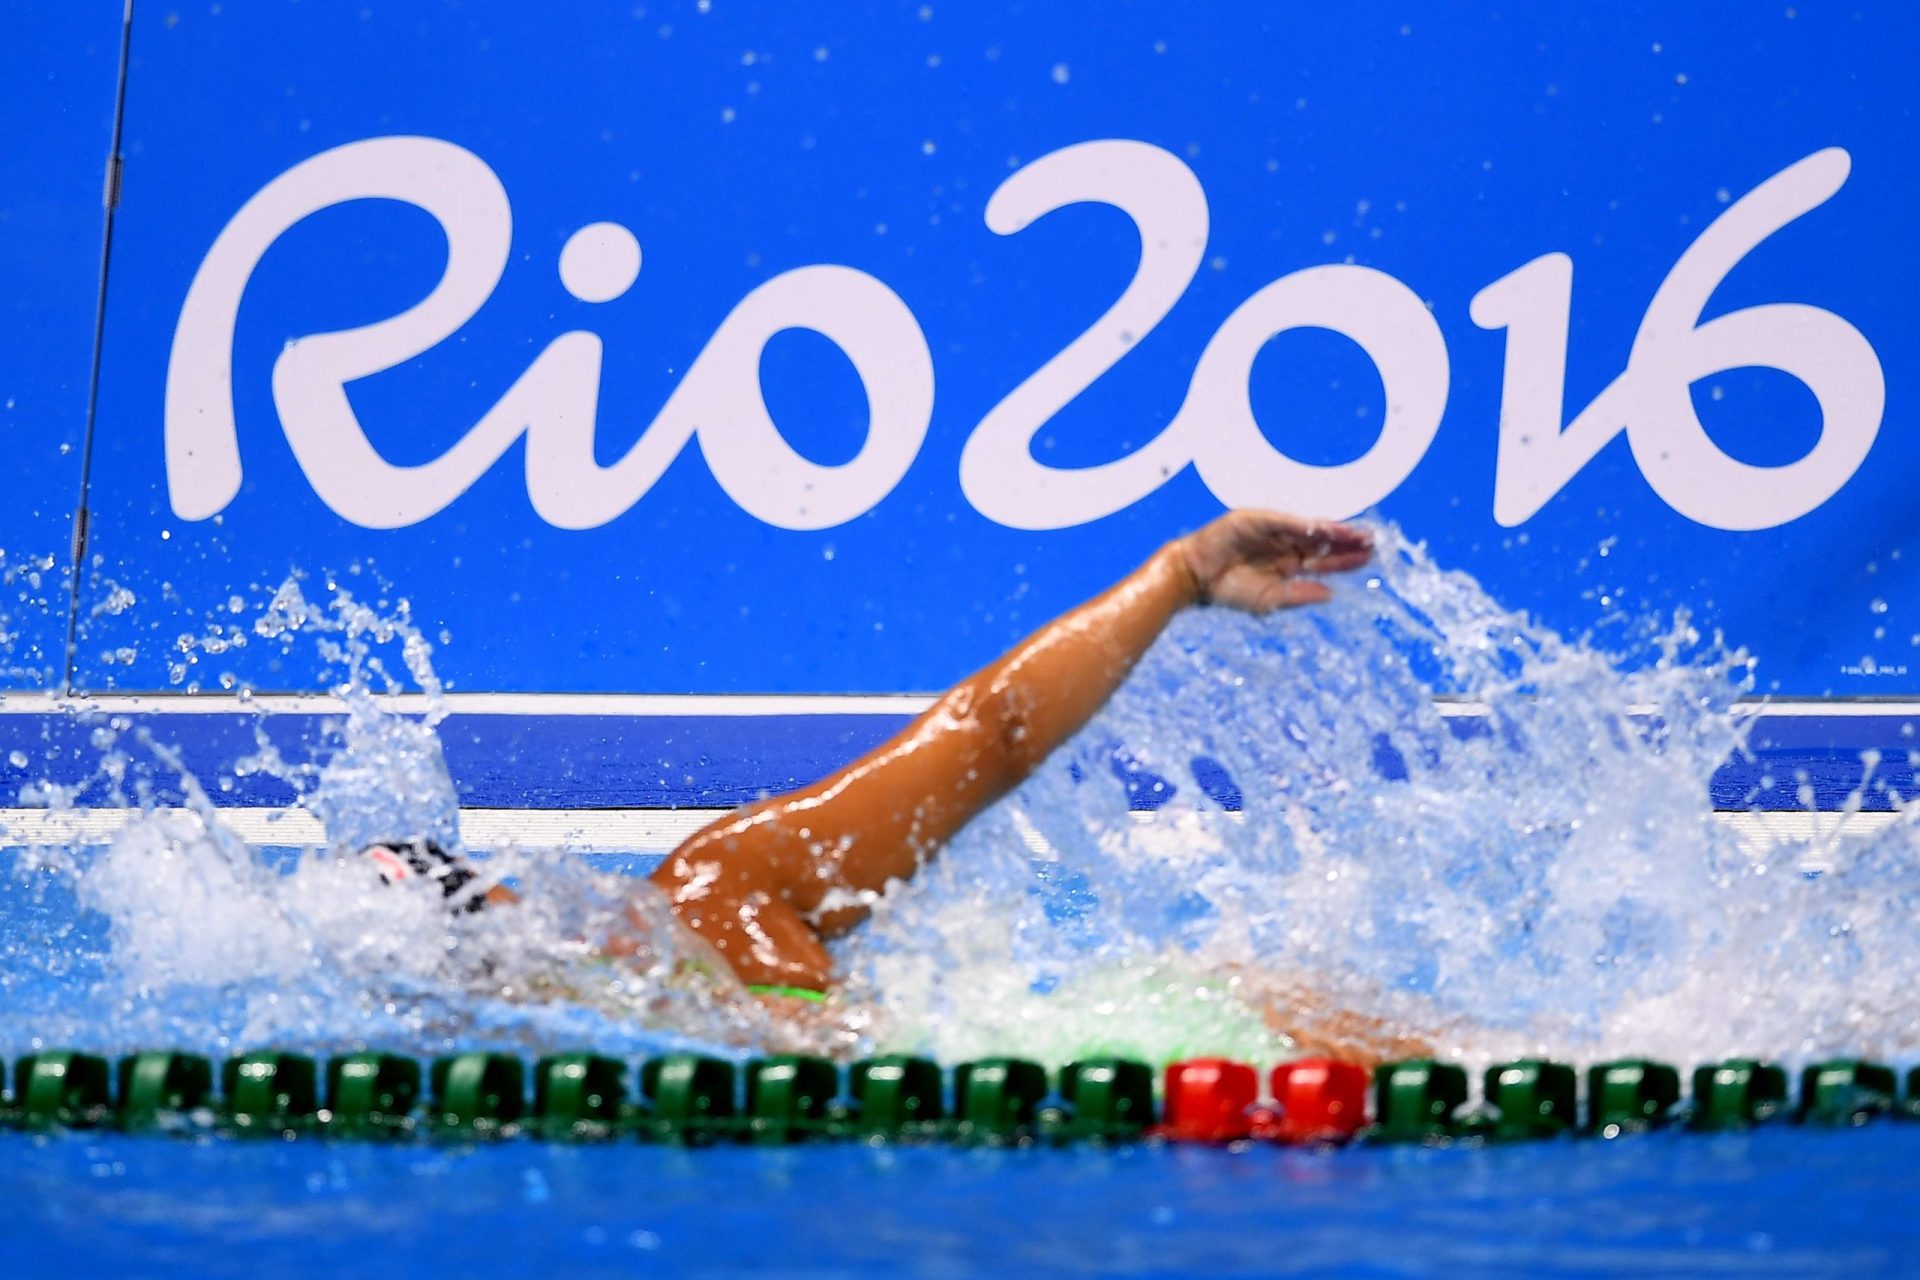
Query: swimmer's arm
(750, 882)
(1322, 1025)
(763, 883)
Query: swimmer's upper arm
(879, 818)
(873, 821)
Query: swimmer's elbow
(1008, 741)
(685, 876)
(980, 738)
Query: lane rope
(693, 1099)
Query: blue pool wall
(737, 144)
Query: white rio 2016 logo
(554, 403)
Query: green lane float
(997, 1100)
(270, 1093)
(1531, 1098)
(163, 1090)
(896, 1097)
(1630, 1096)
(1846, 1091)
(692, 1099)
(580, 1096)
(1103, 1100)
(1417, 1101)
(478, 1094)
(1737, 1094)
(372, 1094)
(62, 1090)
(790, 1099)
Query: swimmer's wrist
(1178, 555)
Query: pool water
(1774, 1202)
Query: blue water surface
(1777, 1202)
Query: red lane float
(1320, 1100)
(1209, 1100)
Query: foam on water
(1552, 881)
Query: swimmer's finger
(1297, 591)
(1331, 535)
(1312, 538)
(1346, 536)
(1335, 561)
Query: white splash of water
(207, 942)
(1552, 881)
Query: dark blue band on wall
(536, 761)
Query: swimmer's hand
(830, 1026)
(1253, 560)
(1347, 1036)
